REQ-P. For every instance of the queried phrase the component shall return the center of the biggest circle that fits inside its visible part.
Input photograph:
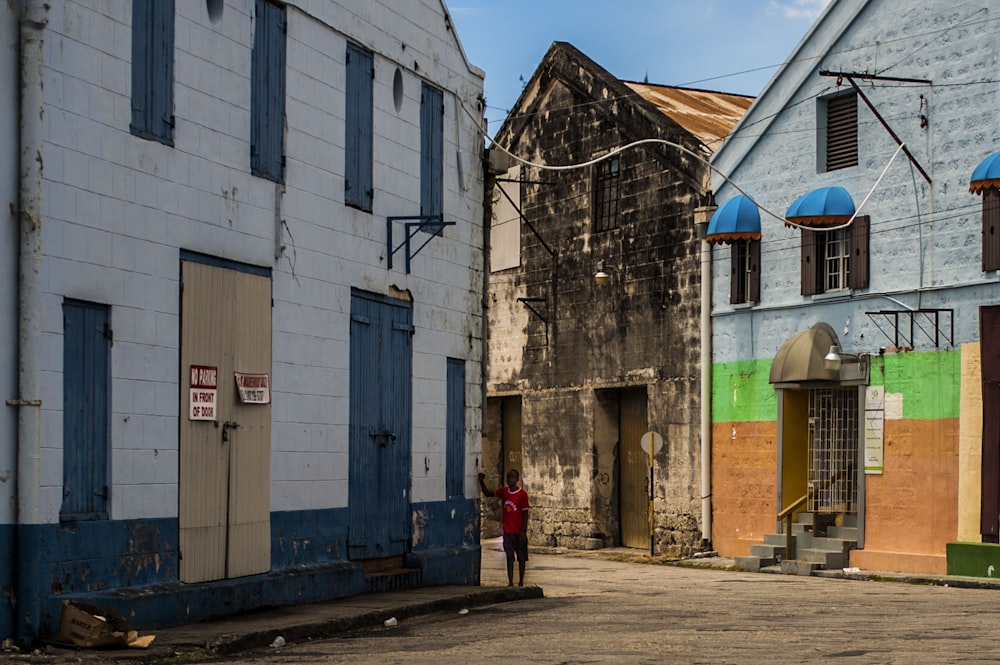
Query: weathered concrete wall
(639, 330)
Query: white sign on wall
(253, 388)
(204, 384)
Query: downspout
(701, 219)
(29, 574)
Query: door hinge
(109, 334)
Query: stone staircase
(829, 547)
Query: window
(86, 369)
(841, 138)
(744, 284)
(991, 229)
(358, 114)
(431, 151)
(607, 193)
(153, 70)
(835, 260)
(267, 92)
(455, 429)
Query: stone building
(855, 387)
(231, 382)
(580, 370)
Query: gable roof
(696, 118)
(807, 56)
(708, 115)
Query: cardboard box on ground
(92, 627)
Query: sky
(722, 45)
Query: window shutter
(267, 93)
(141, 38)
(358, 166)
(991, 229)
(734, 274)
(810, 284)
(153, 70)
(857, 276)
(754, 295)
(431, 150)
(162, 88)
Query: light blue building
(890, 106)
(242, 348)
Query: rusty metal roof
(708, 115)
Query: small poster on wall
(204, 384)
(253, 388)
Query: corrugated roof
(708, 115)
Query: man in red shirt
(514, 501)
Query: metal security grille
(833, 450)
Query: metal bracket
(528, 303)
(413, 225)
(929, 322)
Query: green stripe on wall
(741, 392)
(929, 382)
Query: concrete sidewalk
(243, 632)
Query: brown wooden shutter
(857, 277)
(754, 295)
(810, 284)
(991, 229)
(734, 275)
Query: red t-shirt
(514, 502)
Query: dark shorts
(516, 544)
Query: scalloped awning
(736, 219)
(986, 175)
(820, 208)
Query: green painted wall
(741, 392)
(929, 382)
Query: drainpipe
(29, 573)
(701, 218)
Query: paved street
(597, 610)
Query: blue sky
(726, 45)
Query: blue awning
(986, 175)
(736, 219)
(826, 206)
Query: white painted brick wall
(117, 210)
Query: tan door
(225, 463)
(633, 481)
(513, 450)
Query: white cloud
(796, 9)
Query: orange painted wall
(744, 485)
(912, 509)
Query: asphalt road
(597, 610)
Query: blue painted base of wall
(132, 567)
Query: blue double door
(380, 424)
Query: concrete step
(753, 564)
(768, 551)
(822, 558)
(799, 567)
(843, 532)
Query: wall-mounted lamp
(833, 359)
(856, 364)
(602, 276)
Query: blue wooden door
(379, 479)
(86, 369)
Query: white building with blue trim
(242, 350)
